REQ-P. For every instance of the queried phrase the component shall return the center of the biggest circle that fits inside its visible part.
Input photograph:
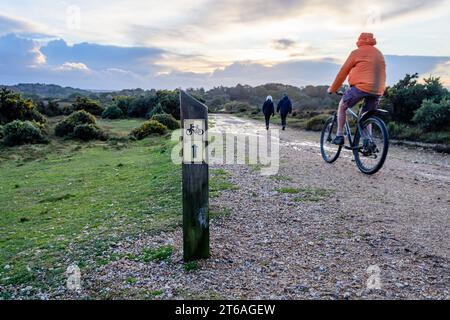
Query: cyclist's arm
(343, 73)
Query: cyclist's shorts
(353, 96)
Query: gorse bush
(22, 132)
(67, 126)
(14, 107)
(405, 97)
(316, 123)
(87, 132)
(88, 105)
(433, 116)
(112, 112)
(148, 128)
(168, 120)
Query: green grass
(68, 202)
(219, 181)
(120, 128)
(288, 190)
(306, 194)
(414, 133)
(154, 294)
(216, 212)
(163, 253)
(281, 178)
(312, 195)
(191, 266)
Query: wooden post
(194, 121)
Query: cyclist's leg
(351, 97)
(370, 103)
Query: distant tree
(170, 101)
(51, 109)
(140, 107)
(88, 105)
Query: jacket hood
(366, 39)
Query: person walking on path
(284, 108)
(269, 110)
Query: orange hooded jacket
(365, 67)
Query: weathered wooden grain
(195, 191)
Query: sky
(206, 43)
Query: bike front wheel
(372, 146)
(330, 152)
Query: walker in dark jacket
(269, 110)
(284, 108)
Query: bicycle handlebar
(339, 93)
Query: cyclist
(269, 110)
(366, 69)
(284, 108)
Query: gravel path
(319, 243)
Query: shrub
(433, 116)
(88, 105)
(148, 128)
(67, 126)
(316, 123)
(22, 132)
(87, 132)
(405, 97)
(14, 107)
(402, 131)
(1, 132)
(170, 101)
(140, 107)
(123, 103)
(51, 109)
(112, 112)
(157, 110)
(168, 120)
(235, 107)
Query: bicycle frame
(348, 129)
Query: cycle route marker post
(194, 123)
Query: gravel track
(317, 244)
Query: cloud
(93, 66)
(19, 54)
(9, 25)
(398, 66)
(73, 66)
(442, 70)
(283, 44)
(99, 57)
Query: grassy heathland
(67, 202)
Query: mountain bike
(369, 144)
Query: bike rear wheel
(373, 147)
(330, 152)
